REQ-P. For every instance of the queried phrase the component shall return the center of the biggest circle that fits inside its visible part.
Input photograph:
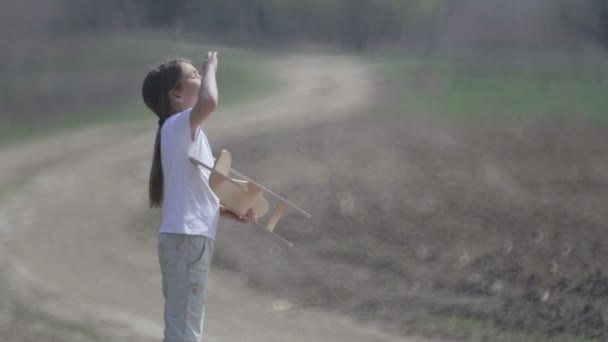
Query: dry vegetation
(415, 218)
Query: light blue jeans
(184, 263)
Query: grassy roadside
(470, 329)
(84, 81)
(486, 90)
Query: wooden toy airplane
(240, 194)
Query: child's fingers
(252, 215)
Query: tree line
(353, 23)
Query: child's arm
(208, 94)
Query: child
(183, 99)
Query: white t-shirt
(189, 205)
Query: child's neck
(177, 108)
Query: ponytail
(156, 175)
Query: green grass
(496, 91)
(18, 131)
(481, 330)
(461, 328)
(68, 72)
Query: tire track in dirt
(69, 230)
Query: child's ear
(175, 95)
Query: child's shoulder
(178, 119)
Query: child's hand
(232, 216)
(250, 216)
(211, 63)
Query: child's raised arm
(208, 94)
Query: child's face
(185, 94)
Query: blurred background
(41, 40)
(452, 153)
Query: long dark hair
(155, 92)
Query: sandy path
(69, 218)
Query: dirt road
(69, 219)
